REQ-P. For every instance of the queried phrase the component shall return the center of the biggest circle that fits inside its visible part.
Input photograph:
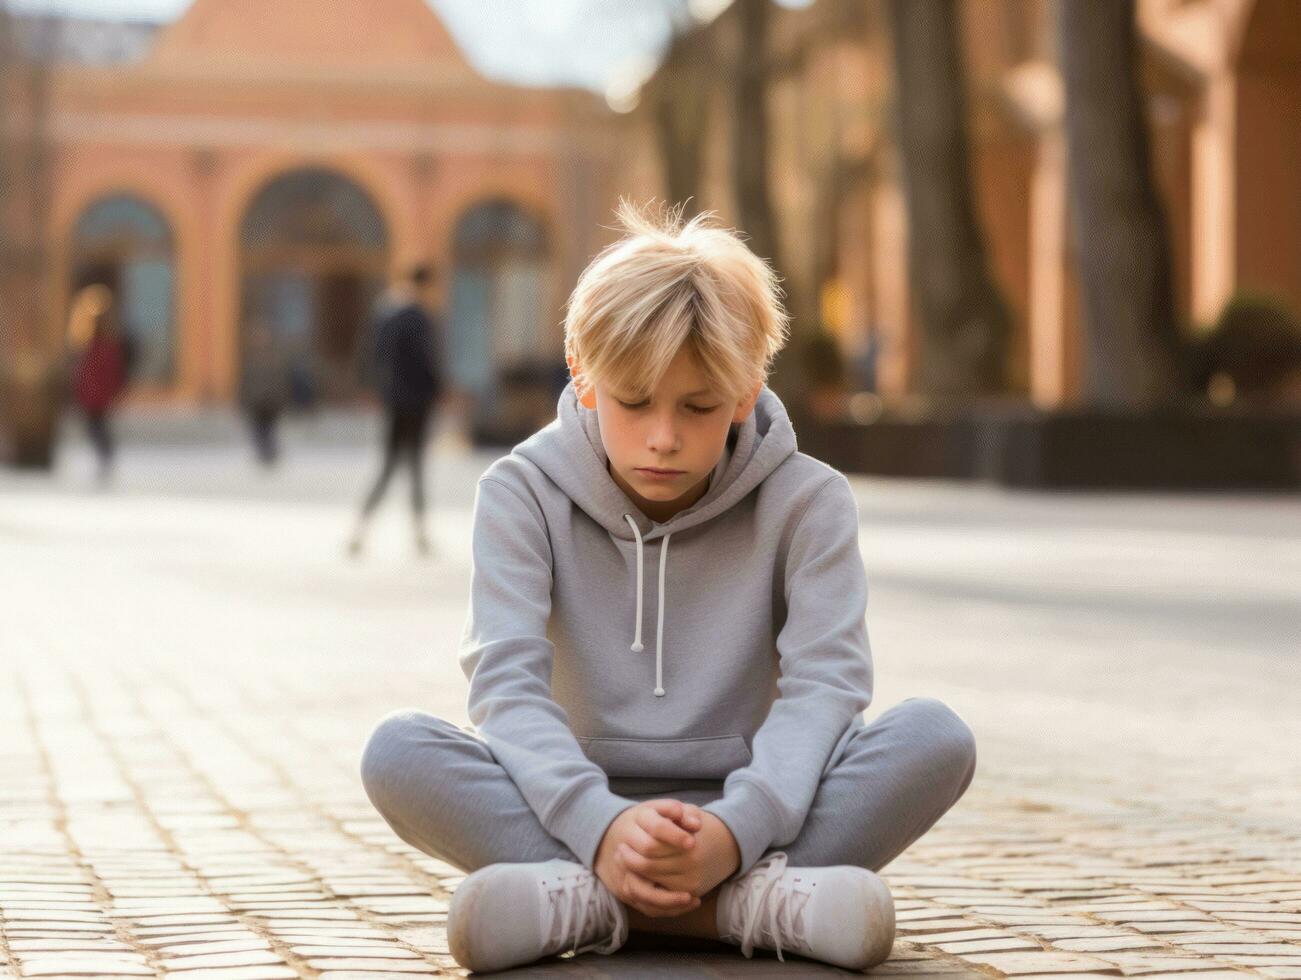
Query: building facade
(1222, 80)
(268, 165)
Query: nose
(663, 436)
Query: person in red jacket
(100, 379)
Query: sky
(594, 44)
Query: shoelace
(579, 900)
(761, 911)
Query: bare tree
(964, 320)
(750, 129)
(752, 71)
(1131, 335)
(681, 97)
(29, 360)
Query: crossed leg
(442, 791)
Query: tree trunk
(681, 111)
(1122, 244)
(750, 170)
(964, 321)
(28, 357)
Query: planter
(28, 419)
(1187, 449)
(1175, 450)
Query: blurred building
(270, 163)
(1223, 86)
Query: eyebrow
(693, 394)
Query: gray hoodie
(607, 651)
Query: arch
(125, 242)
(502, 255)
(313, 256)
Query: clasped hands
(660, 857)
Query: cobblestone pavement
(189, 676)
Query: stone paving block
(267, 972)
(989, 945)
(203, 929)
(183, 920)
(951, 969)
(956, 935)
(1058, 976)
(934, 925)
(277, 916)
(397, 906)
(1221, 936)
(1047, 919)
(1014, 964)
(369, 951)
(433, 971)
(394, 966)
(1102, 944)
(66, 945)
(218, 946)
(242, 958)
(336, 937)
(1135, 964)
(1244, 949)
(1170, 928)
(88, 964)
(1074, 930)
(1209, 974)
(203, 939)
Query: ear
(588, 400)
(744, 408)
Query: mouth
(654, 472)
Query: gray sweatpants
(441, 791)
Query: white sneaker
(843, 915)
(506, 915)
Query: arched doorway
(313, 256)
(125, 244)
(499, 304)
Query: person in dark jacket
(264, 390)
(407, 364)
(101, 372)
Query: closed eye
(694, 408)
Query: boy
(708, 773)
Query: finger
(670, 808)
(663, 829)
(655, 869)
(647, 846)
(662, 900)
(691, 819)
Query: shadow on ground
(669, 958)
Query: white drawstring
(659, 623)
(659, 620)
(636, 640)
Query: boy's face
(681, 427)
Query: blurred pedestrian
(101, 371)
(405, 356)
(264, 390)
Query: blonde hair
(666, 284)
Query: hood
(569, 451)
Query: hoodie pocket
(712, 757)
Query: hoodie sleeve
(507, 657)
(825, 679)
